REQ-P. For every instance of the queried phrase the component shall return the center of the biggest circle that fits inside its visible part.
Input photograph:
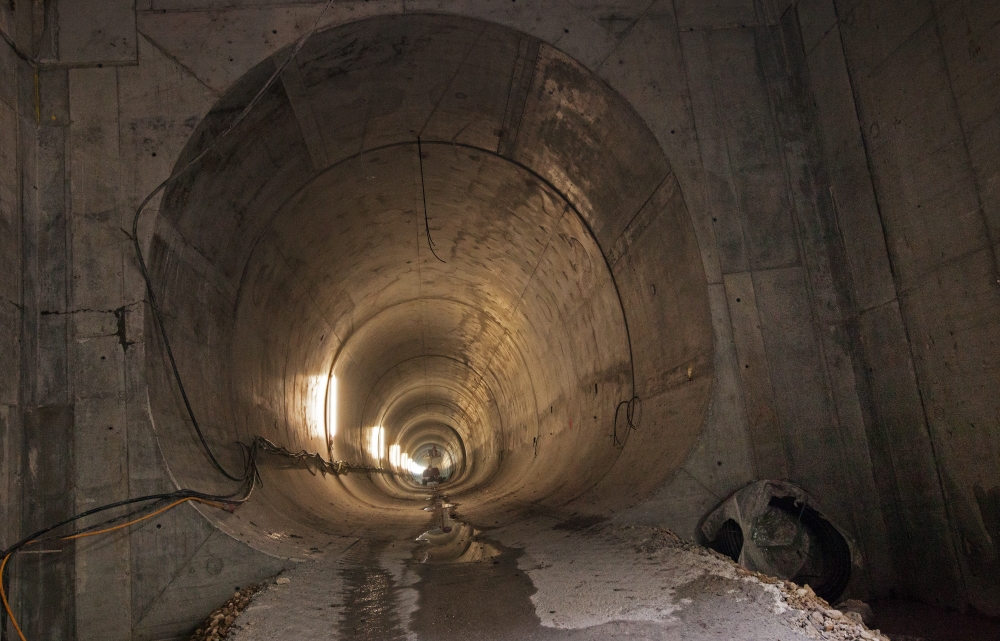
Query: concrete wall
(893, 189)
(839, 160)
(786, 401)
(11, 302)
(74, 432)
(922, 113)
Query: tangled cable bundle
(324, 466)
(632, 414)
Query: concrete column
(46, 605)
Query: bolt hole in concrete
(335, 284)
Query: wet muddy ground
(540, 580)
(369, 592)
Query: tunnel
(431, 233)
(504, 319)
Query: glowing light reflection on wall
(331, 407)
(317, 404)
(401, 461)
(376, 442)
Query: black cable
(250, 477)
(423, 193)
(107, 522)
(250, 481)
(170, 356)
(179, 494)
(138, 248)
(632, 407)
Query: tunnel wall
(923, 78)
(11, 163)
(885, 152)
(296, 237)
(17, 144)
(834, 311)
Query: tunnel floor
(540, 579)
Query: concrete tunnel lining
(297, 250)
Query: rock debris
(216, 626)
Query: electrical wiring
(249, 478)
(82, 535)
(158, 316)
(180, 494)
(227, 502)
(325, 466)
(632, 405)
(7, 554)
(633, 411)
(3, 598)
(423, 194)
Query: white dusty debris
(586, 582)
(655, 583)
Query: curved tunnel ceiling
(432, 232)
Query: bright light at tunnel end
(401, 462)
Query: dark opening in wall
(827, 564)
(730, 540)
(776, 528)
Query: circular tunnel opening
(772, 527)
(435, 244)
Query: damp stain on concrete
(369, 611)
(469, 587)
(488, 600)
(543, 584)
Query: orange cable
(142, 518)
(3, 564)
(3, 596)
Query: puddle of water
(369, 607)
(451, 540)
(469, 588)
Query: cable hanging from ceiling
(423, 194)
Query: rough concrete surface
(598, 582)
(646, 252)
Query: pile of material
(216, 626)
(819, 620)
